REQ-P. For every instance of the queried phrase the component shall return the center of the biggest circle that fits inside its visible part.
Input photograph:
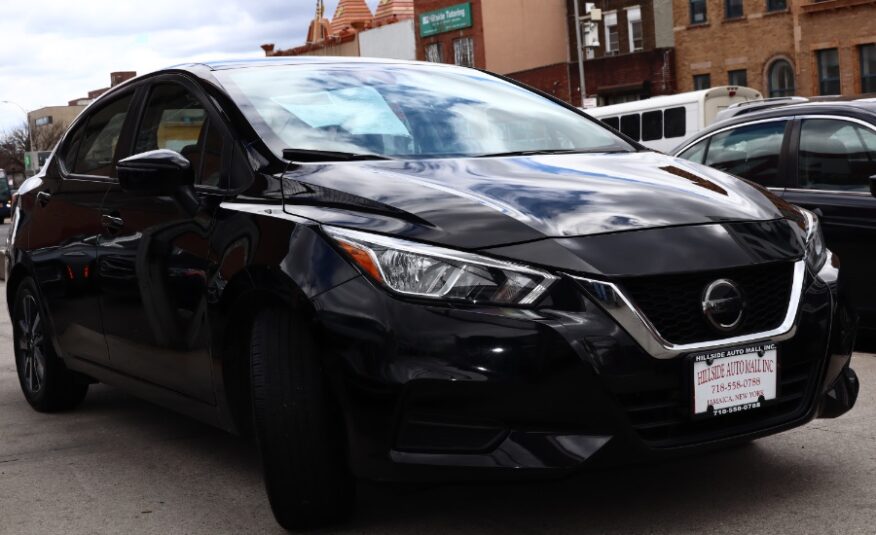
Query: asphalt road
(119, 465)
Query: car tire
(298, 427)
(46, 382)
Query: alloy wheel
(31, 345)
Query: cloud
(53, 51)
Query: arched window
(781, 79)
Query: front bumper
(434, 392)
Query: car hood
(477, 203)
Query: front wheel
(298, 427)
(46, 382)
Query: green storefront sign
(445, 20)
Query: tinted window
(696, 152)
(652, 125)
(613, 122)
(96, 152)
(629, 125)
(71, 147)
(176, 120)
(751, 151)
(674, 120)
(173, 120)
(836, 155)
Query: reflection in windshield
(409, 112)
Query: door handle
(111, 222)
(43, 198)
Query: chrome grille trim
(613, 300)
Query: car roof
(225, 64)
(862, 108)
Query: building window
(733, 9)
(828, 71)
(463, 52)
(781, 79)
(777, 5)
(698, 11)
(738, 77)
(702, 81)
(433, 53)
(43, 121)
(868, 69)
(612, 40)
(634, 27)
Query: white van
(660, 123)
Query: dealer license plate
(734, 380)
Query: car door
(153, 251)
(755, 150)
(65, 225)
(835, 158)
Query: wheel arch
(245, 294)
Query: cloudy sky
(52, 51)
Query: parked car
(821, 156)
(409, 271)
(661, 122)
(5, 197)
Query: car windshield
(407, 112)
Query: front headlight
(816, 251)
(430, 272)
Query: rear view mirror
(159, 172)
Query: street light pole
(579, 50)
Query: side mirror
(873, 185)
(159, 172)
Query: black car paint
(171, 291)
(848, 218)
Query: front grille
(661, 414)
(673, 303)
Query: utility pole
(585, 39)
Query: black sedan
(821, 156)
(405, 271)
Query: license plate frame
(747, 379)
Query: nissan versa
(406, 271)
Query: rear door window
(836, 155)
(96, 151)
(752, 151)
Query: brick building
(635, 56)
(524, 39)
(779, 47)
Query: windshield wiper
(547, 151)
(311, 155)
